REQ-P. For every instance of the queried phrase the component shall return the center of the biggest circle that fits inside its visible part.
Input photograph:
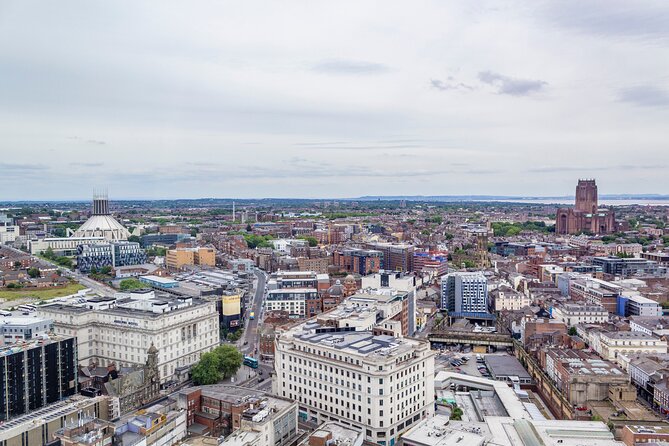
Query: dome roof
(349, 278)
(336, 290)
(103, 226)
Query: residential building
(113, 254)
(641, 306)
(396, 256)
(434, 263)
(465, 294)
(35, 374)
(572, 314)
(358, 261)
(298, 302)
(596, 292)
(180, 257)
(121, 329)
(319, 265)
(380, 384)
(506, 298)
(633, 435)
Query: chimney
(320, 438)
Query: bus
(30, 308)
(252, 315)
(5, 313)
(251, 362)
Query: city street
(249, 339)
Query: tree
(134, 238)
(131, 284)
(313, 241)
(249, 228)
(34, 272)
(456, 414)
(230, 359)
(49, 254)
(572, 331)
(106, 270)
(17, 264)
(207, 370)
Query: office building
(392, 309)
(180, 257)
(613, 344)
(627, 267)
(101, 223)
(36, 374)
(332, 433)
(23, 328)
(121, 329)
(379, 384)
(586, 215)
(596, 292)
(62, 246)
(465, 294)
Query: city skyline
(332, 101)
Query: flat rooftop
(505, 365)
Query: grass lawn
(45, 293)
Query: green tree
(106, 270)
(230, 359)
(34, 272)
(313, 241)
(134, 238)
(131, 284)
(572, 331)
(64, 261)
(17, 264)
(249, 228)
(456, 414)
(49, 254)
(207, 370)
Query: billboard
(231, 305)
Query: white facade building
(629, 342)
(379, 384)
(573, 314)
(464, 293)
(292, 300)
(122, 329)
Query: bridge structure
(468, 337)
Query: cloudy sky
(332, 99)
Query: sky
(311, 99)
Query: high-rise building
(381, 384)
(178, 258)
(359, 261)
(396, 256)
(114, 254)
(35, 374)
(464, 294)
(585, 216)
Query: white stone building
(380, 384)
(121, 329)
(573, 314)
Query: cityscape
(334, 224)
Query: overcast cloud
(163, 99)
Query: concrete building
(507, 369)
(379, 384)
(596, 292)
(506, 298)
(464, 294)
(333, 433)
(628, 267)
(400, 282)
(120, 330)
(23, 328)
(573, 314)
(36, 374)
(38, 427)
(642, 306)
(629, 342)
(434, 263)
(101, 223)
(581, 376)
(180, 257)
(393, 309)
(62, 246)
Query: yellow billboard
(231, 305)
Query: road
(249, 339)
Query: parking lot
(451, 361)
